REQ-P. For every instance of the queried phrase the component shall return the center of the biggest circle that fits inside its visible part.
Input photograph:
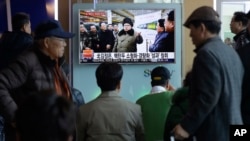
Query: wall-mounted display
(126, 35)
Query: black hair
(45, 116)
(171, 16)
(128, 21)
(212, 26)
(108, 75)
(19, 20)
(241, 17)
(161, 23)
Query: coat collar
(157, 89)
(106, 94)
(216, 38)
(130, 32)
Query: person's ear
(46, 42)
(203, 27)
(119, 85)
(167, 86)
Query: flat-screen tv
(126, 35)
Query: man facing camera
(109, 117)
(127, 38)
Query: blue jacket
(159, 44)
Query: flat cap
(204, 13)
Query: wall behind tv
(35, 8)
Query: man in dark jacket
(169, 28)
(217, 74)
(238, 26)
(15, 42)
(244, 55)
(12, 44)
(106, 38)
(35, 70)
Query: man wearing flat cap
(127, 38)
(215, 91)
(35, 70)
(156, 105)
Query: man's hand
(108, 47)
(138, 34)
(170, 88)
(180, 133)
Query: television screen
(127, 35)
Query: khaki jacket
(110, 118)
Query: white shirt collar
(157, 89)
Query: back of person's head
(160, 76)
(19, 20)
(45, 116)
(108, 75)
(241, 17)
(205, 15)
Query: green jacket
(155, 108)
(177, 111)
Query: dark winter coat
(13, 44)
(245, 104)
(215, 92)
(105, 37)
(30, 73)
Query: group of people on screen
(108, 37)
(38, 104)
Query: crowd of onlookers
(36, 100)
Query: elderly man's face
(103, 26)
(55, 47)
(196, 34)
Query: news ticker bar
(89, 54)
